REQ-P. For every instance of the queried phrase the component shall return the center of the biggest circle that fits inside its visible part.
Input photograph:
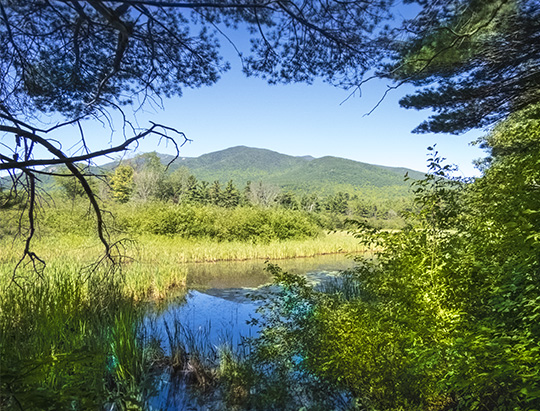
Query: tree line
(145, 179)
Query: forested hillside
(302, 175)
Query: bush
(251, 224)
(446, 316)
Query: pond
(216, 308)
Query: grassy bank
(73, 336)
(154, 263)
(66, 342)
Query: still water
(218, 306)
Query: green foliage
(11, 197)
(63, 220)
(288, 200)
(66, 343)
(445, 317)
(176, 186)
(310, 203)
(146, 179)
(338, 203)
(300, 175)
(121, 183)
(231, 195)
(70, 185)
(215, 194)
(274, 373)
(248, 224)
(58, 217)
(473, 59)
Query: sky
(300, 119)
(297, 119)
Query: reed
(154, 264)
(66, 343)
(190, 355)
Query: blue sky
(300, 119)
(297, 119)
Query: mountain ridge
(325, 175)
(300, 174)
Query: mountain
(304, 174)
(241, 164)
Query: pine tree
(476, 61)
(215, 194)
(121, 183)
(231, 195)
(202, 193)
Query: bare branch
(63, 159)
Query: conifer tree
(121, 183)
(215, 194)
(231, 195)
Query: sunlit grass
(157, 248)
(155, 264)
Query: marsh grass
(221, 376)
(154, 264)
(155, 249)
(63, 345)
(191, 356)
(74, 335)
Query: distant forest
(145, 179)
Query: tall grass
(154, 264)
(179, 250)
(73, 336)
(191, 355)
(64, 342)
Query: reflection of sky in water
(213, 321)
(219, 315)
(216, 318)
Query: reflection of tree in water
(252, 273)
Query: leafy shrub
(446, 316)
(250, 224)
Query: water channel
(218, 305)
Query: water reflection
(251, 274)
(215, 318)
(216, 311)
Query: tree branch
(13, 164)
(182, 5)
(62, 158)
